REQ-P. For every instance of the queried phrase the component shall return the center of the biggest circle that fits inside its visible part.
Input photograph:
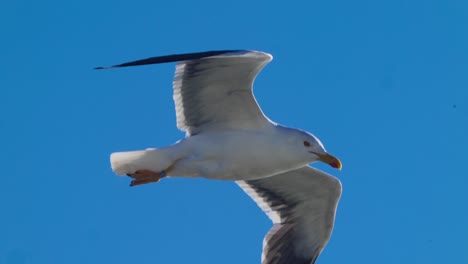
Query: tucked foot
(146, 176)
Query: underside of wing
(216, 92)
(302, 205)
(213, 89)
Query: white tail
(128, 162)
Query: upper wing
(214, 89)
(217, 91)
(302, 204)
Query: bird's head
(316, 151)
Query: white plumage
(229, 138)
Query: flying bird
(229, 138)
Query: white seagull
(229, 138)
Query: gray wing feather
(302, 205)
(214, 88)
(217, 92)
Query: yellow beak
(330, 160)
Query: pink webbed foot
(146, 176)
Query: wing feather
(302, 205)
(216, 92)
(214, 88)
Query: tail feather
(129, 162)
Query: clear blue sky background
(384, 86)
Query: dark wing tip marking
(173, 58)
(103, 68)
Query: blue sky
(382, 83)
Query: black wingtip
(104, 68)
(171, 58)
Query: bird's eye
(307, 143)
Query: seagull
(229, 138)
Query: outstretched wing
(216, 92)
(213, 90)
(302, 205)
